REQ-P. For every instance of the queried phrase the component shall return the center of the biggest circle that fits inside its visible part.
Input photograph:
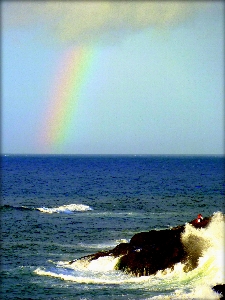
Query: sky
(108, 77)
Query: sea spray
(205, 247)
(65, 208)
(191, 280)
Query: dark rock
(149, 252)
(220, 288)
(157, 250)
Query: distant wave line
(61, 209)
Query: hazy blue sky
(149, 79)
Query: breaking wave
(191, 280)
(65, 208)
(50, 210)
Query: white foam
(208, 243)
(102, 264)
(65, 208)
(205, 246)
(201, 292)
(197, 283)
(90, 277)
(78, 279)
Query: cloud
(80, 21)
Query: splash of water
(65, 208)
(191, 280)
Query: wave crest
(205, 247)
(65, 208)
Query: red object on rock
(151, 251)
(199, 218)
(200, 222)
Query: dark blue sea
(55, 209)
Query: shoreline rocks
(149, 252)
(220, 288)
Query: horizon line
(104, 154)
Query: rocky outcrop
(220, 288)
(149, 252)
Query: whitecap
(65, 208)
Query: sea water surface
(55, 209)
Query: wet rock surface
(220, 288)
(152, 251)
(149, 252)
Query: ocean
(59, 208)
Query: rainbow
(73, 75)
